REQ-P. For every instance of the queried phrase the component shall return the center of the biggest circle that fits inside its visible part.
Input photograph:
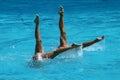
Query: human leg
(86, 44)
(63, 41)
(89, 43)
(38, 46)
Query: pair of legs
(63, 42)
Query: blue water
(84, 20)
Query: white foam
(72, 53)
(80, 50)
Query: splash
(80, 50)
(75, 52)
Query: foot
(61, 12)
(37, 19)
(100, 38)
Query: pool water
(84, 20)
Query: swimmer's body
(63, 42)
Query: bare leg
(86, 44)
(63, 41)
(38, 47)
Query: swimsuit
(39, 55)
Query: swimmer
(39, 53)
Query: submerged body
(39, 54)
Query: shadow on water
(35, 64)
(39, 64)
